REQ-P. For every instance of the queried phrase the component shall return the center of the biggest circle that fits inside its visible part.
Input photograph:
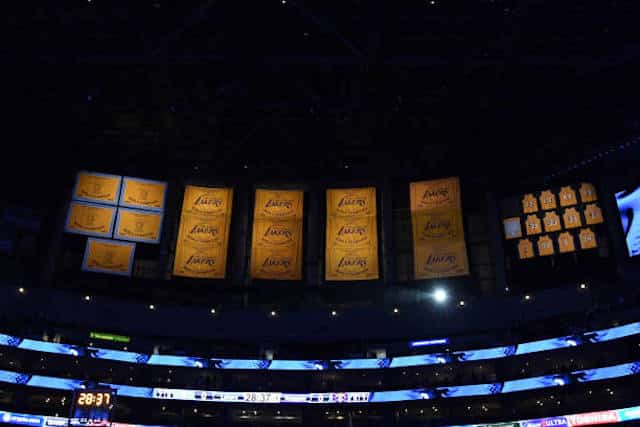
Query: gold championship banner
(143, 193)
(203, 238)
(90, 219)
(352, 234)
(97, 187)
(439, 248)
(108, 256)
(138, 226)
(276, 247)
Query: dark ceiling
(296, 87)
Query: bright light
(571, 342)
(152, 307)
(559, 381)
(583, 286)
(396, 310)
(213, 311)
(440, 295)
(21, 290)
(87, 298)
(527, 297)
(462, 303)
(334, 313)
(273, 313)
(437, 341)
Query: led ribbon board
(427, 393)
(602, 335)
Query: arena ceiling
(490, 89)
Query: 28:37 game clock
(92, 407)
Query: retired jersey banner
(97, 187)
(90, 219)
(352, 234)
(143, 193)
(108, 256)
(439, 248)
(276, 247)
(138, 226)
(203, 237)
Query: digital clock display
(92, 407)
(96, 399)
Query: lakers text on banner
(90, 219)
(439, 248)
(352, 234)
(138, 226)
(203, 237)
(276, 247)
(97, 187)
(108, 256)
(143, 193)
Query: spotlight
(461, 303)
(213, 311)
(152, 307)
(21, 290)
(87, 298)
(440, 295)
(396, 310)
(583, 286)
(334, 313)
(527, 297)
(273, 313)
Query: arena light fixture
(21, 290)
(440, 295)
(396, 310)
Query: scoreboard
(92, 407)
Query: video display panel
(628, 202)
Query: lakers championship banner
(108, 256)
(352, 234)
(143, 193)
(439, 248)
(276, 247)
(97, 187)
(90, 219)
(203, 237)
(138, 226)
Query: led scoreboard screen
(92, 407)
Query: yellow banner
(276, 247)
(138, 226)
(203, 237)
(352, 234)
(97, 187)
(108, 256)
(439, 248)
(90, 219)
(143, 193)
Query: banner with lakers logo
(97, 187)
(143, 193)
(108, 256)
(203, 237)
(276, 248)
(439, 248)
(90, 219)
(138, 226)
(352, 234)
